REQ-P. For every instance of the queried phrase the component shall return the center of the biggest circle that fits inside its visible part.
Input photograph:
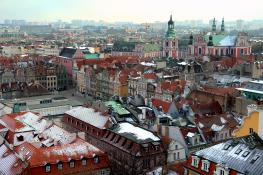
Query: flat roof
(117, 107)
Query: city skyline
(133, 11)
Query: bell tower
(170, 43)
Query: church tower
(170, 43)
(223, 26)
(214, 26)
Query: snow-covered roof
(135, 133)
(148, 64)
(89, 115)
(250, 90)
(190, 134)
(228, 41)
(215, 127)
(183, 63)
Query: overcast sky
(130, 10)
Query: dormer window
(238, 151)
(96, 159)
(245, 154)
(60, 166)
(20, 138)
(205, 165)
(195, 161)
(221, 170)
(72, 164)
(226, 147)
(83, 161)
(255, 158)
(48, 168)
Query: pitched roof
(212, 107)
(244, 162)
(214, 122)
(90, 116)
(43, 155)
(160, 103)
(10, 163)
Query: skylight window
(238, 151)
(245, 154)
(226, 147)
(255, 158)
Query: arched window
(200, 51)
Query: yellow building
(253, 122)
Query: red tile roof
(212, 107)
(73, 151)
(219, 91)
(151, 76)
(10, 121)
(178, 168)
(164, 104)
(173, 85)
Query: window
(96, 159)
(176, 146)
(254, 159)
(245, 154)
(167, 44)
(146, 163)
(178, 155)
(242, 51)
(222, 172)
(251, 131)
(47, 168)
(199, 51)
(226, 147)
(238, 151)
(60, 166)
(195, 161)
(84, 162)
(72, 164)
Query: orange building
(251, 123)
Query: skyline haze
(138, 11)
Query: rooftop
(245, 154)
(117, 107)
(89, 115)
(135, 133)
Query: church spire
(223, 26)
(214, 25)
(171, 31)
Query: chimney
(166, 131)
(143, 113)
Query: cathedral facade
(218, 43)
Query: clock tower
(170, 43)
